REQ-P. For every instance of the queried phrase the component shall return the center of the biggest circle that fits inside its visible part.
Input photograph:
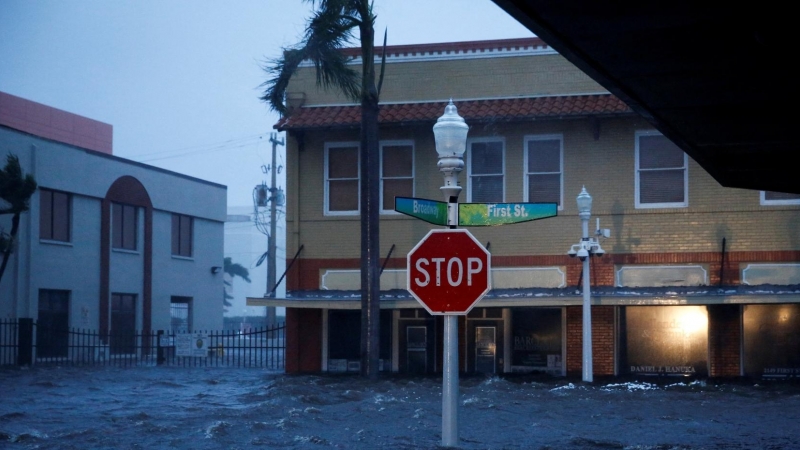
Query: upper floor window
(54, 215)
(342, 178)
(182, 227)
(485, 170)
(123, 226)
(544, 175)
(662, 175)
(397, 172)
(779, 198)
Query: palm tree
(16, 190)
(328, 31)
(232, 270)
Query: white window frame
(525, 173)
(468, 155)
(765, 202)
(390, 209)
(327, 211)
(640, 205)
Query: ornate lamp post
(584, 249)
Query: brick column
(303, 340)
(724, 340)
(603, 340)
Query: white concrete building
(108, 243)
(245, 244)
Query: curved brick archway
(128, 190)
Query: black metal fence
(24, 342)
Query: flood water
(223, 408)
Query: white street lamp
(583, 250)
(450, 133)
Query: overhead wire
(198, 149)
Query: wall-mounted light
(215, 269)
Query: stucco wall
(76, 266)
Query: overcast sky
(179, 80)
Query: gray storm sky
(179, 80)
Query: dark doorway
(123, 324)
(52, 327)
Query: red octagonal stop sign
(448, 271)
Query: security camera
(599, 252)
(572, 252)
(583, 254)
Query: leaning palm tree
(232, 270)
(16, 190)
(330, 29)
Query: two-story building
(108, 244)
(697, 279)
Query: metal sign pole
(450, 383)
(450, 369)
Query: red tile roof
(495, 110)
(446, 48)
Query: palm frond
(16, 188)
(328, 31)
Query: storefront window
(664, 340)
(772, 341)
(537, 339)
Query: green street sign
(488, 214)
(428, 210)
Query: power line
(185, 151)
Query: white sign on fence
(191, 344)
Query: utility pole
(273, 213)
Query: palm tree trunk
(370, 204)
(11, 240)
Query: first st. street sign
(448, 271)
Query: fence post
(25, 342)
(159, 349)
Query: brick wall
(305, 273)
(603, 336)
(724, 338)
(303, 340)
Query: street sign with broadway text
(448, 271)
(428, 210)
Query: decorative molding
(658, 275)
(529, 277)
(502, 278)
(454, 51)
(780, 274)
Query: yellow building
(697, 280)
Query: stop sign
(448, 271)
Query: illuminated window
(54, 215)
(485, 170)
(342, 178)
(662, 176)
(397, 172)
(544, 176)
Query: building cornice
(502, 48)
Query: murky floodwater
(219, 408)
